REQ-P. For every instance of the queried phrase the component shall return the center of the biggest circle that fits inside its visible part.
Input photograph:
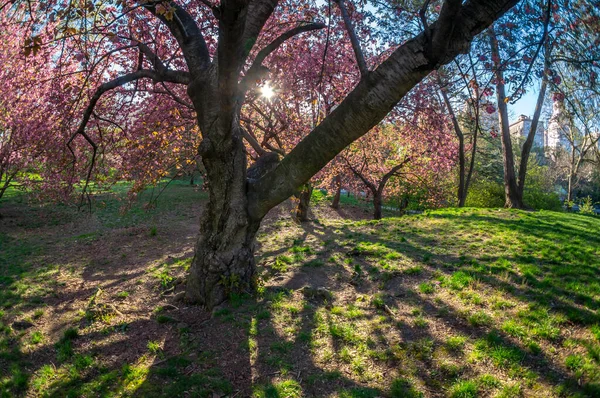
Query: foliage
(539, 190)
(485, 194)
(587, 206)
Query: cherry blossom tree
(413, 144)
(215, 53)
(33, 106)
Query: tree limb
(187, 33)
(259, 12)
(360, 57)
(368, 103)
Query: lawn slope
(450, 303)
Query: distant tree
(580, 121)
(413, 144)
(552, 33)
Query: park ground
(449, 303)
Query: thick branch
(252, 141)
(444, 35)
(259, 12)
(187, 33)
(370, 101)
(155, 61)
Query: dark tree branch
(259, 12)
(155, 61)
(176, 98)
(423, 18)
(252, 141)
(187, 33)
(369, 102)
(442, 35)
(360, 57)
(213, 8)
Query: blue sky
(526, 105)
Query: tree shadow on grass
(292, 341)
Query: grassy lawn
(450, 303)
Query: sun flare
(267, 91)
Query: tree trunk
(462, 194)
(338, 192)
(534, 124)
(303, 203)
(573, 170)
(377, 204)
(403, 205)
(569, 189)
(471, 164)
(223, 263)
(224, 255)
(513, 199)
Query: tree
(413, 144)
(217, 53)
(578, 118)
(470, 123)
(552, 34)
(514, 181)
(32, 114)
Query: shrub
(587, 206)
(485, 194)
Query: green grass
(426, 288)
(464, 389)
(466, 302)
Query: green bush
(539, 188)
(540, 200)
(485, 194)
(587, 206)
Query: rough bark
(224, 261)
(303, 206)
(377, 205)
(513, 199)
(338, 192)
